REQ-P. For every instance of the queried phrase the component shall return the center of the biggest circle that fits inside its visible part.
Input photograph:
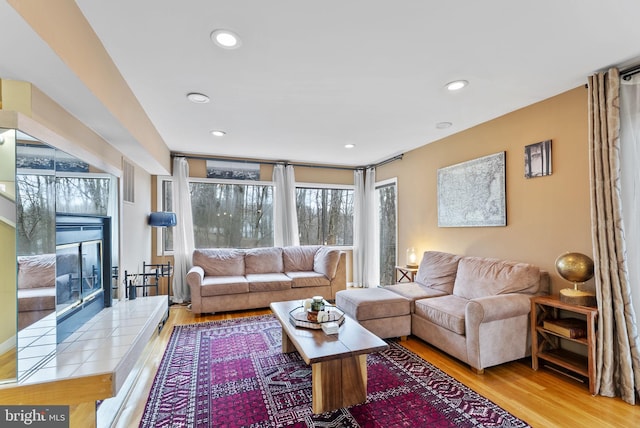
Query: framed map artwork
(472, 193)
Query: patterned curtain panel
(617, 344)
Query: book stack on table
(572, 328)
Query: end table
(405, 274)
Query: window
(386, 196)
(239, 214)
(325, 215)
(86, 194)
(165, 234)
(35, 214)
(232, 215)
(73, 193)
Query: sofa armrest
(497, 329)
(499, 307)
(339, 280)
(195, 276)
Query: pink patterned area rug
(232, 374)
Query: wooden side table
(547, 345)
(405, 274)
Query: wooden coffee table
(338, 362)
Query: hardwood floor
(541, 398)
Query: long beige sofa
(224, 279)
(475, 309)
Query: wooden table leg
(354, 380)
(339, 383)
(287, 344)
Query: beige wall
(546, 216)
(198, 168)
(8, 164)
(8, 303)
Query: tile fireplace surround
(102, 352)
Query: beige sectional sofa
(474, 308)
(225, 279)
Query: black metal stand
(148, 278)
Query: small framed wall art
(537, 159)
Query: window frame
(160, 180)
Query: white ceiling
(313, 76)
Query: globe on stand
(576, 268)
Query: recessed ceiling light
(226, 39)
(218, 133)
(443, 125)
(349, 146)
(456, 85)
(197, 98)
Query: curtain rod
(306, 165)
(626, 74)
(265, 162)
(386, 161)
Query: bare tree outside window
(325, 216)
(82, 195)
(41, 196)
(35, 216)
(232, 215)
(387, 218)
(238, 215)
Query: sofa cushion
(220, 285)
(36, 271)
(482, 277)
(372, 303)
(307, 279)
(438, 270)
(446, 311)
(263, 260)
(326, 261)
(414, 291)
(220, 261)
(299, 258)
(268, 281)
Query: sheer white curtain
(183, 244)
(284, 207)
(630, 178)
(366, 264)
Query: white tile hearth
(109, 343)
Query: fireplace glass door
(79, 273)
